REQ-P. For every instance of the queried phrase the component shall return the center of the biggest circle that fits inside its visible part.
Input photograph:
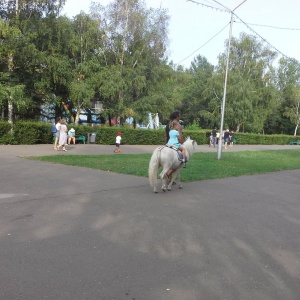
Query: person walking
(210, 139)
(226, 138)
(217, 137)
(57, 133)
(63, 135)
(118, 142)
(231, 138)
(214, 136)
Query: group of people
(62, 135)
(227, 137)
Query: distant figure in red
(118, 142)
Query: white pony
(167, 158)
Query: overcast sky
(196, 28)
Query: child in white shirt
(118, 142)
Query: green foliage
(6, 136)
(193, 126)
(5, 127)
(288, 80)
(263, 139)
(251, 84)
(196, 94)
(32, 132)
(117, 55)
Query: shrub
(32, 132)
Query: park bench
(294, 142)
(81, 138)
(78, 139)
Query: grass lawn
(202, 166)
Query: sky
(201, 27)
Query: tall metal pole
(220, 142)
(225, 82)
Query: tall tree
(196, 94)
(10, 85)
(288, 77)
(84, 50)
(134, 39)
(250, 87)
(22, 16)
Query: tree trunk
(296, 128)
(10, 111)
(77, 117)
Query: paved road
(75, 233)
(27, 150)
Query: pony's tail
(153, 168)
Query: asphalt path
(76, 233)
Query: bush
(6, 136)
(263, 139)
(32, 132)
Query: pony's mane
(189, 145)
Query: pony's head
(190, 145)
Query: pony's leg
(179, 181)
(170, 183)
(176, 175)
(164, 180)
(155, 186)
(153, 169)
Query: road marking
(4, 196)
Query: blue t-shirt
(71, 133)
(173, 140)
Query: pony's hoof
(167, 178)
(180, 186)
(155, 191)
(164, 189)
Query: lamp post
(225, 82)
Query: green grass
(202, 166)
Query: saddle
(179, 154)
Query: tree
(288, 77)
(133, 52)
(251, 84)
(196, 94)
(11, 89)
(84, 46)
(293, 111)
(20, 18)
